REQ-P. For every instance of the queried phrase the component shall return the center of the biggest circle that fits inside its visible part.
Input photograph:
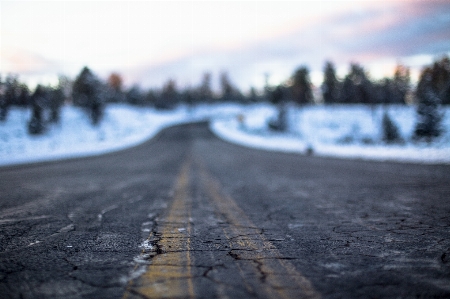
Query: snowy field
(352, 131)
(339, 131)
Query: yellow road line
(169, 275)
(280, 278)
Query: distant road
(187, 215)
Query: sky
(148, 42)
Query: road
(187, 215)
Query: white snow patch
(345, 131)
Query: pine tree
(357, 88)
(169, 95)
(87, 93)
(390, 130)
(36, 124)
(205, 91)
(279, 123)
(440, 78)
(400, 85)
(429, 116)
(301, 86)
(9, 94)
(3, 103)
(330, 86)
(228, 91)
(135, 96)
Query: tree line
(91, 93)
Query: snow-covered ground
(346, 131)
(123, 126)
(342, 131)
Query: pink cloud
(24, 62)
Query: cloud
(366, 35)
(26, 62)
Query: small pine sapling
(390, 130)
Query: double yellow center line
(263, 270)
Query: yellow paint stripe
(169, 275)
(282, 280)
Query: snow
(337, 131)
(345, 131)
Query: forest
(92, 94)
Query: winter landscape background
(355, 117)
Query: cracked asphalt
(187, 215)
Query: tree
(23, 98)
(115, 88)
(228, 92)
(151, 97)
(429, 117)
(383, 91)
(36, 124)
(3, 104)
(301, 86)
(9, 93)
(56, 100)
(115, 81)
(87, 93)
(253, 95)
(205, 91)
(330, 86)
(347, 95)
(135, 96)
(400, 85)
(390, 130)
(440, 79)
(357, 87)
(277, 97)
(169, 95)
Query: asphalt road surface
(187, 215)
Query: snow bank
(123, 126)
(338, 131)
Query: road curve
(187, 215)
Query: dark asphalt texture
(353, 229)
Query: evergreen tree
(188, 96)
(9, 95)
(36, 124)
(23, 99)
(383, 91)
(253, 96)
(348, 92)
(151, 98)
(205, 92)
(301, 86)
(357, 87)
(3, 104)
(277, 97)
(87, 93)
(56, 98)
(227, 89)
(429, 116)
(440, 78)
(134, 96)
(169, 95)
(400, 84)
(390, 130)
(330, 86)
